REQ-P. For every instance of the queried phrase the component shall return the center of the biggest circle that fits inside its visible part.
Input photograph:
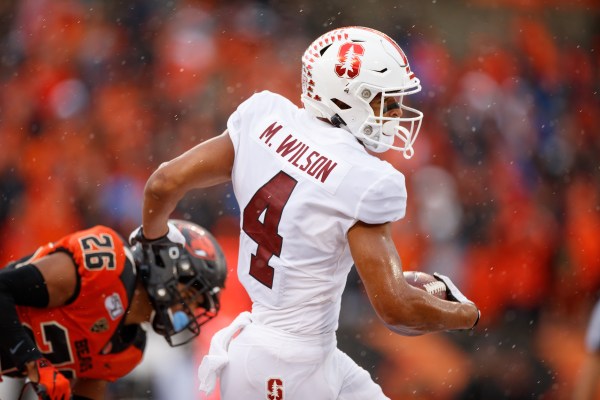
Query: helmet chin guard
(379, 134)
(344, 70)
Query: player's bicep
(378, 264)
(403, 308)
(207, 164)
(60, 276)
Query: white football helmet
(344, 70)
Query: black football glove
(172, 236)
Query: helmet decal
(349, 58)
(199, 245)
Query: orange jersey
(87, 338)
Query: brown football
(426, 282)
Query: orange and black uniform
(86, 337)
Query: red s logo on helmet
(349, 57)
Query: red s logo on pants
(275, 389)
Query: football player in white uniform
(313, 202)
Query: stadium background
(504, 189)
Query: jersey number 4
(261, 222)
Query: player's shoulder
(250, 115)
(372, 167)
(268, 96)
(267, 101)
(380, 177)
(101, 229)
(95, 249)
(382, 190)
(99, 235)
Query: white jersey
(301, 185)
(592, 337)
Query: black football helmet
(183, 283)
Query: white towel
(217, 357)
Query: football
(426, 282)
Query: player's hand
(173, 235)
(52, 385)
(454, 294)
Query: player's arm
(403, 308)
(206, 164)
(47, 282)
(589, 378)
(89, 389)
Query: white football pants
(267, 364)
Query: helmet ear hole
(341, 104)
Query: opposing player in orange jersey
(71, 311)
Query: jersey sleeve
(384, 201)
(234, 127)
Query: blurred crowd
(504, 189)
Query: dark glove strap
(477, 320)
(144, 240)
